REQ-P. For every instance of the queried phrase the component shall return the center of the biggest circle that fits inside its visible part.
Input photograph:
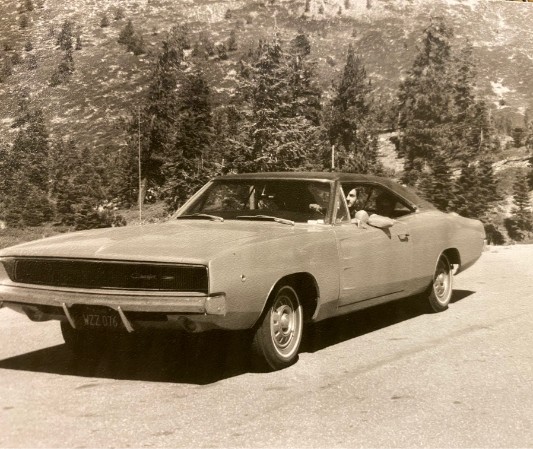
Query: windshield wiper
(201, 217)
(265, 218)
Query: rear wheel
(277, 339)
(440, 292)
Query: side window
(387, 204)
(373, 199)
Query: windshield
(295, 200)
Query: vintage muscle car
(266, 252)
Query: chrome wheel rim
(441, 283)
(286, 322)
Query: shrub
(24, 21)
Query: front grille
(109, 274)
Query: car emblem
(148, 277)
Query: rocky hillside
(108, 82)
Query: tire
(277, 339)
(440, 291)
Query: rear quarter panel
(433, 232)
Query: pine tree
(7, 69)
(28, 46)
(16, 59)
(127, 33)
(119, 13)
(222, 51)
(64, 39)
(105, 21)
(133, 41)
(437, 184)
(187, 167)
(426, 105)
(279, 94)
(232, 41)
(64, 70)
(25, 176)
(301, 45)
(156, 124)
(351, 128)
(24, 21)
(469, 202)
(520, 224)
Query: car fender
(247, 274)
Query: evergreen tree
(119, 13)
(301, 45)
(426, 103)
(24, 21)
(133, 41)
(78, 186)
(352, 128)
(157, 122)
(232, 41)
(28, 4)
(437, 184)
(28, 46)
(520, 224)
(64, 39)
(180, 36)
(25, 178)
(64, 70)
(30, 151)
(105, 21)
(277, 131)
(468, 201)
(187, 167)
(7, 69)
(222, 51)
(16, 59)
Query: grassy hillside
(109, 82)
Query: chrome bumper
(125, 301)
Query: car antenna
(139, 157)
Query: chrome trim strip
(69, 317)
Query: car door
(375, 263)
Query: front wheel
(440, 292)
(277, 339)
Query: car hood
(184, 241)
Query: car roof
(394, 186)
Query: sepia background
(435, 94)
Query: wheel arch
(454, 257)
(306, 287)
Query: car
(267, 252)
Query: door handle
(404, 237)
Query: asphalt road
(392, 376)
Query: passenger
(351, 200)
(320, 195)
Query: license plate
(98, 317)
(100, 320)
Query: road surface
(392, 376)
